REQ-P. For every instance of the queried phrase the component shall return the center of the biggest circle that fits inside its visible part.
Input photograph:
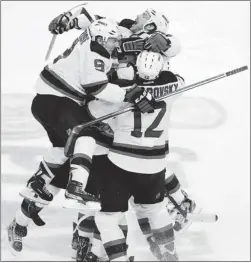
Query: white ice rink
(209, 137)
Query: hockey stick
(55, 36)
(193, 217)
(50, 47)
(69, 146)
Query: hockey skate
(15, 233)
(154, 247)
(170, 253)
(30, 194)
(38, 185)
(77, 198)
(83, 247)
(74, 242)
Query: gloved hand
(142, 99)
(62, 23)
(132, 45)
(157, 43)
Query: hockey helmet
(104, 28)
(158, 20)
(149, 65)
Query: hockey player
(137, 161)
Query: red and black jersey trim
(141, 152)
(59, 84)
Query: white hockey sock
(97, 245)
(155, 220)
(86, 224)
(54, 158)
(21, 218)
(82, 159)
(111, 235)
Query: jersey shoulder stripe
(97, 48)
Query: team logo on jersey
(160, 91)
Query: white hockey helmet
(158, 20)
(149, 65)
(104, 28)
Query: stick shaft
(50, 47)
(69, 146)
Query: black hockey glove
(157, 43)
(132, 45)
(142, 99)
(61, 24)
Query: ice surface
(210, 134)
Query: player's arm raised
(77, 18)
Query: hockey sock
(82, 159)
(97, 245)
(111, 235)
(156, 225)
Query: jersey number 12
(150, 132)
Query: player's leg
(32, 206)
(81, 161)
(89, 245)
(58, 115)
(46, 110)
(174, 190)
(81, 164)
(85, 228)
(155, 222)
(114, 195)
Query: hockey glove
(157, 43)
(142, 99)
(132, 45)
(62, 23)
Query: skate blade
(30, 195)
(75, 204)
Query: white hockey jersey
(80, 70)
(140, 140)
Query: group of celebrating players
(122, 160)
